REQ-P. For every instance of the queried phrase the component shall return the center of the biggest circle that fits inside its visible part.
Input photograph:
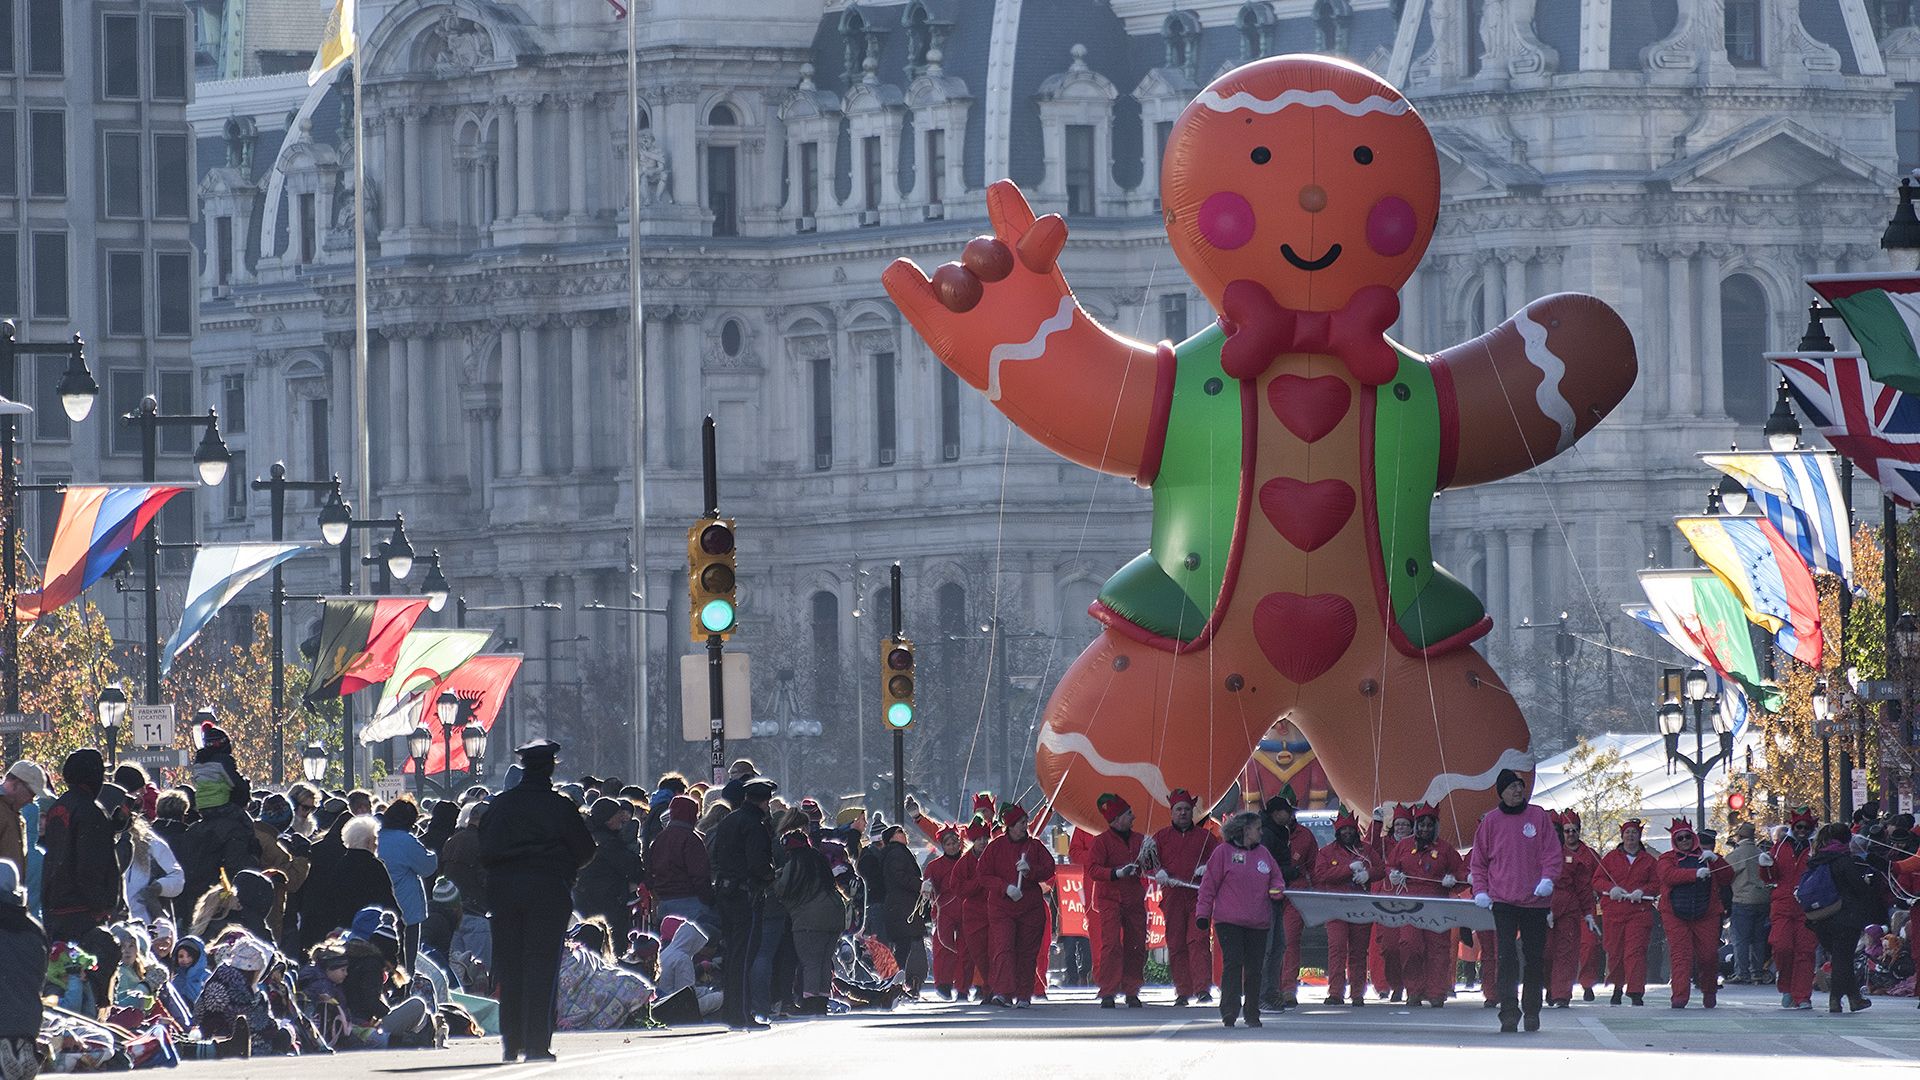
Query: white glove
(1592, 924)
(1616, 893)
(1766, 859)
(926, 887)
(1710, 856)
(1161, 877)
(1359, 877)
(1637, 895)
(1396, 878)
(1200, 871)
(1357, 866)
(1549, 920)
(1021, 865)
(1013, 892)
(1702, 873)
(1449, 881)
(1481, 899)
(1545, 888)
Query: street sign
(30, 723)
(1880, 689)
(156, 758)
(390, 787)
(1859, 787)
(1906, 802)
(696, 707)
(152, 725)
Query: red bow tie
(1259, 329)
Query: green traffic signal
(717, 616)
(899, 714)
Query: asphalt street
(1070, 1037)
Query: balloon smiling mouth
(1310, 265)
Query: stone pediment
(1776, 154)
(1469, 168)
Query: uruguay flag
(97, 525)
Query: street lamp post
(1824, 727)
(451, 709)
(337, 523)
(77, 392)
(277, 485)
(418, 744)
(313, 763)
(111, 706)
(1672, 719)
(210, 459)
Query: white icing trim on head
(1553, 370)
(1447, 782)
(1314, 99)
(1029, 349)
(1148, 776)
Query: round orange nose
(1313, 198)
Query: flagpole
(636, 335)
(363, 469)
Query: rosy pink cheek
(1226, 220)
(1391, 226)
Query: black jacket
(608, 879)
(356, 880)
(1279, 844)
(532, 830)
(81, 874)
(872, 874)
(23, 951)
(741, 849)
(1860, 902)
(901, 871)
(223, 839)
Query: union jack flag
(1874, 425)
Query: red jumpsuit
(1078, 848)
(1572, 903)
(1627, 924)
(1693, 943)
(1304, 851)
(1346, 942)
(1592, 957)
(1189, 949)
(1426, 956)
(972, 903)
(1015, 928)
(948, 886)
(1793, 943)
(1120, 906)
(1383, 965)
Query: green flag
(1882, 312)
(426, 657)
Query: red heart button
(1307, 514)
(1303, 636)
(1309, 407)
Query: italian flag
(1882, 312)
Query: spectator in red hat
(1422, 865)
(1690, 880)
(1628, 885)
(1793, 942)
(1572, 912)
(1119, 901)
(1182, 849)
(1012, 870)
(1347, 865)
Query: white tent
(1664, 795)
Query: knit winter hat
(213, 739)
(669, 926)
(603, 810)
(162, 929)
(249, 954)
(1012, 814)
(1111, 806)
(683, 809)
(1181, 795)
(1506, 779)
(84, 768)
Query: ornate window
(950, 606)
(1182, 31)
(1256, 24)
(1743, 33)
(1743, 337)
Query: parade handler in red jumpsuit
(974, 965)
(1690, 882)
(1516, 857)
(1793, 943)
(1182, 849)
(946, 876)
(1628, 885)
(1424, 866)
(1347, 865)
(1012, 870)
(1119, 901)
(1572, 912)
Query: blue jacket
(409, 864)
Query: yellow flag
(339, 42)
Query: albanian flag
(360, 639)
(482, 683)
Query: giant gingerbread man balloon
(1293, 451)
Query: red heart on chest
(1303, 636)
(1307, 513)
(1310, 408)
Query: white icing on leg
(1551, 399)
(1447, 783)
(1146, 775)
(1029, 349)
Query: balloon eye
(1363, 155)
(1261, 155)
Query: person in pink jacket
(1516, 856)
(1242, 880)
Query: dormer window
(1255, 24)
(1182, 31)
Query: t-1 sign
(152, 725)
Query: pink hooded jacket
(1512, 853)
(1237, 886)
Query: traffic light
(1737, 801)
(896, 683)
(710, 580)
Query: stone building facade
(1685, 160)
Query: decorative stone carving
(655, 172)
(455, 46)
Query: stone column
(580, 357)
(1516, 289)
(397, 420)
(657, 341)
(1497, 591)
(506, 170)
(1683, 383)
(1706, 276)
(416, 130)
(528, 203)
(1490, 302)
(419, 418)
(379, 172)
(398, 178)
(1520, 575)
(532, 402)
(577, 155)
(511, 411)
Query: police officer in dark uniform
(741, 852)
(533, 843)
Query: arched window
(825, 628)
(1330, 21)
(1475, 319)
(722, 115)
(1182, 31)
(950, 604)
(1255, 23)
(1743, 337)
(1476, 45)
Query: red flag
(619, 12)
(483, 681)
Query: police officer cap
(760, 788)
(537, 750)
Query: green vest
(1173, 587)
